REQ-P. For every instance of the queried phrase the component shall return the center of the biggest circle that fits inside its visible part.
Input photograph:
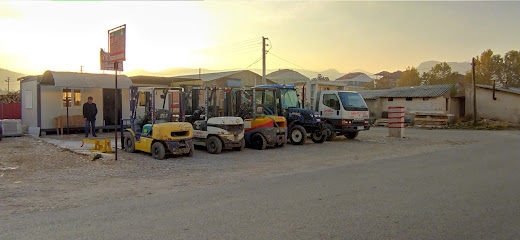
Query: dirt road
(37, 176)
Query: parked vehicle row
(171, 120)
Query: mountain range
(14, 85)
(331, 73)
(460, 67)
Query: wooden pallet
(431, 119)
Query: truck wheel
(318, 137)
(297, 135)
(351, 135)
(158, 151)
(331, 133)
(214, 145)
(259, 142)
(242, 145)
(129, 141)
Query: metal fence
(10, 111)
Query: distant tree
(383, 83)
(410, 77)
(370, 85)
(489, 67)
(440, 74)
(511, 69)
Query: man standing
(89, 113)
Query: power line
(254, 45)
(242, 44)
(257, 60)
(288, 61)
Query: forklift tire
(192, 150)
(158, 151)
(318, 137)
(351, 135)
(297, 135)
(129, 142)
(281, 144)
(258, 141)
(242, 145)
(331, 133)
(214, 145)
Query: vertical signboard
(117, 45)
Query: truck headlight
(346, 121)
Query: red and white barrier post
(396, 121)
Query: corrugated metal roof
(165, 81)
(84, 80)
(509, 90)
(206, 77)
(403, 92)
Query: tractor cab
(282, 100)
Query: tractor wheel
(319, 137)
(351, 135)
(297, 135)
(129, 142)
(158, 151)
(331, 133)
(242, 145)
(258, 142)
(214, 145)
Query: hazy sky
(374, 36)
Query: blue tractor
(300, 121)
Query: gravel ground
(37, 176)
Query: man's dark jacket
(89, 111)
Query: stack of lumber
(431, 119)
(10, 98)
(381, 122)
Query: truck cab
(343, 112)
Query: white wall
(435, 104)
(505, 108)
(52, 106)
(29, 115)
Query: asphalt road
(469, 192)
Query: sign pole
(116, 110)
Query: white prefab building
(43, 98)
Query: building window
(408, 99)
(142, 99)
(66, 97)
(447, 104)
(390, 99)
(77, 98)
(27, 98)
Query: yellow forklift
(153, 130)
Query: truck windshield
(289, 98)
(352, 101)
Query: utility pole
(474, 93)
(8, 80)
(81, 69)
(263, 59)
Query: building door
(108, 107)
